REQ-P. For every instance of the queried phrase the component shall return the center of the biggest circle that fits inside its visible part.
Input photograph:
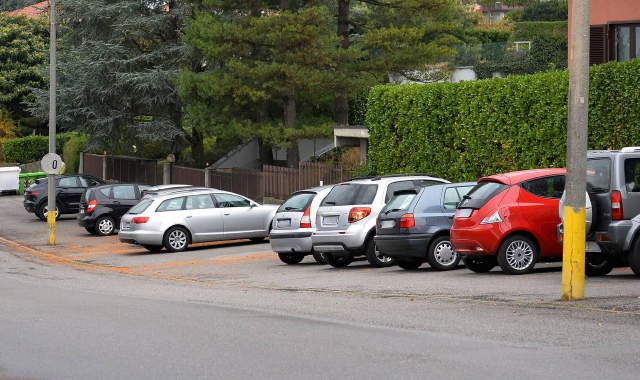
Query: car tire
(517, 255)
(337, 261)
(317, 256)
(597, 265)
(153, 248)
(43, 209)
(409, 264)
(290, 258)
(176, 239)
(480, 264)
(90, 230)
(440, 254)
(375, 257)
(633, 257)
(105, 226)
(257, 239)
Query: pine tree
(118, 69)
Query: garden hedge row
(461, 131)
(31, 148)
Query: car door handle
(188, 216)
(227, 213)
(116, 202)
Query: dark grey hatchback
(413, 227)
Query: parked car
(510, 220)
(293, 224)
(613, 209)
(413, 227)
(157, 189)
(346, 218)
(101, 207)
(177, 219)
(69, 188)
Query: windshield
(481, 194)
(297, 202)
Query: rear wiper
(392, 210)
(466, 196)
(330, 203)
(288, 208)
(597, 190)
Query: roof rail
(403, 175)
(629, 149)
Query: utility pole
(573, 260)
(51, 205)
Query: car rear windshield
(297, 202)
(351, 194)
(140, 207)
(86, 195)
(399, 202)
(598, 175)
(481, 194)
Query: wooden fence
(272, 182)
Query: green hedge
(31, 148)
(549, 30)
(461, 131)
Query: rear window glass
(171, 204)
(598, 175)
(481, 194)
(547, 187)
(399, 202)
(297, 202)
(351, 194)
(140, 207)
(106, 191)
(86, 195)
(632, 174)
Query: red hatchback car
(510, 220)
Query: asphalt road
(93, 307)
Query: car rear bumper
(403, 245)
(291, 241)
(141, 237)
(29, 206)
(87, 221)
(482, 240)
(351, 240)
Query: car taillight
(616, 205)
(407, 221)
(92, 205)
(34, 193)
(305, 221)
(358, 213)
(140, 219)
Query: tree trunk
(341, 112)
(293, 154)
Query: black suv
(413, 227)
(613, 189)
(69, 188)
(101, 207)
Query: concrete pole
(51, 200)
(573, 261)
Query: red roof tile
(33, 11)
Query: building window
(626, 42)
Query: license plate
(284, 223)
(81, 211)
(126, 225)
(592, 247)
(329, 220)
(388, 223)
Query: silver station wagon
(177, 219)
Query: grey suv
(346, 218)
(613, 188)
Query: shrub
(461, 131)
(71, 151)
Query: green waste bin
(27, 179)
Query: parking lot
(253, 265)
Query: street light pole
(574, 223)
(51, 203)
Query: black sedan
(69, 188)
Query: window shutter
(597, 45)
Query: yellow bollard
(573, 254)
(51, 221)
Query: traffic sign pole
(51, 205)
